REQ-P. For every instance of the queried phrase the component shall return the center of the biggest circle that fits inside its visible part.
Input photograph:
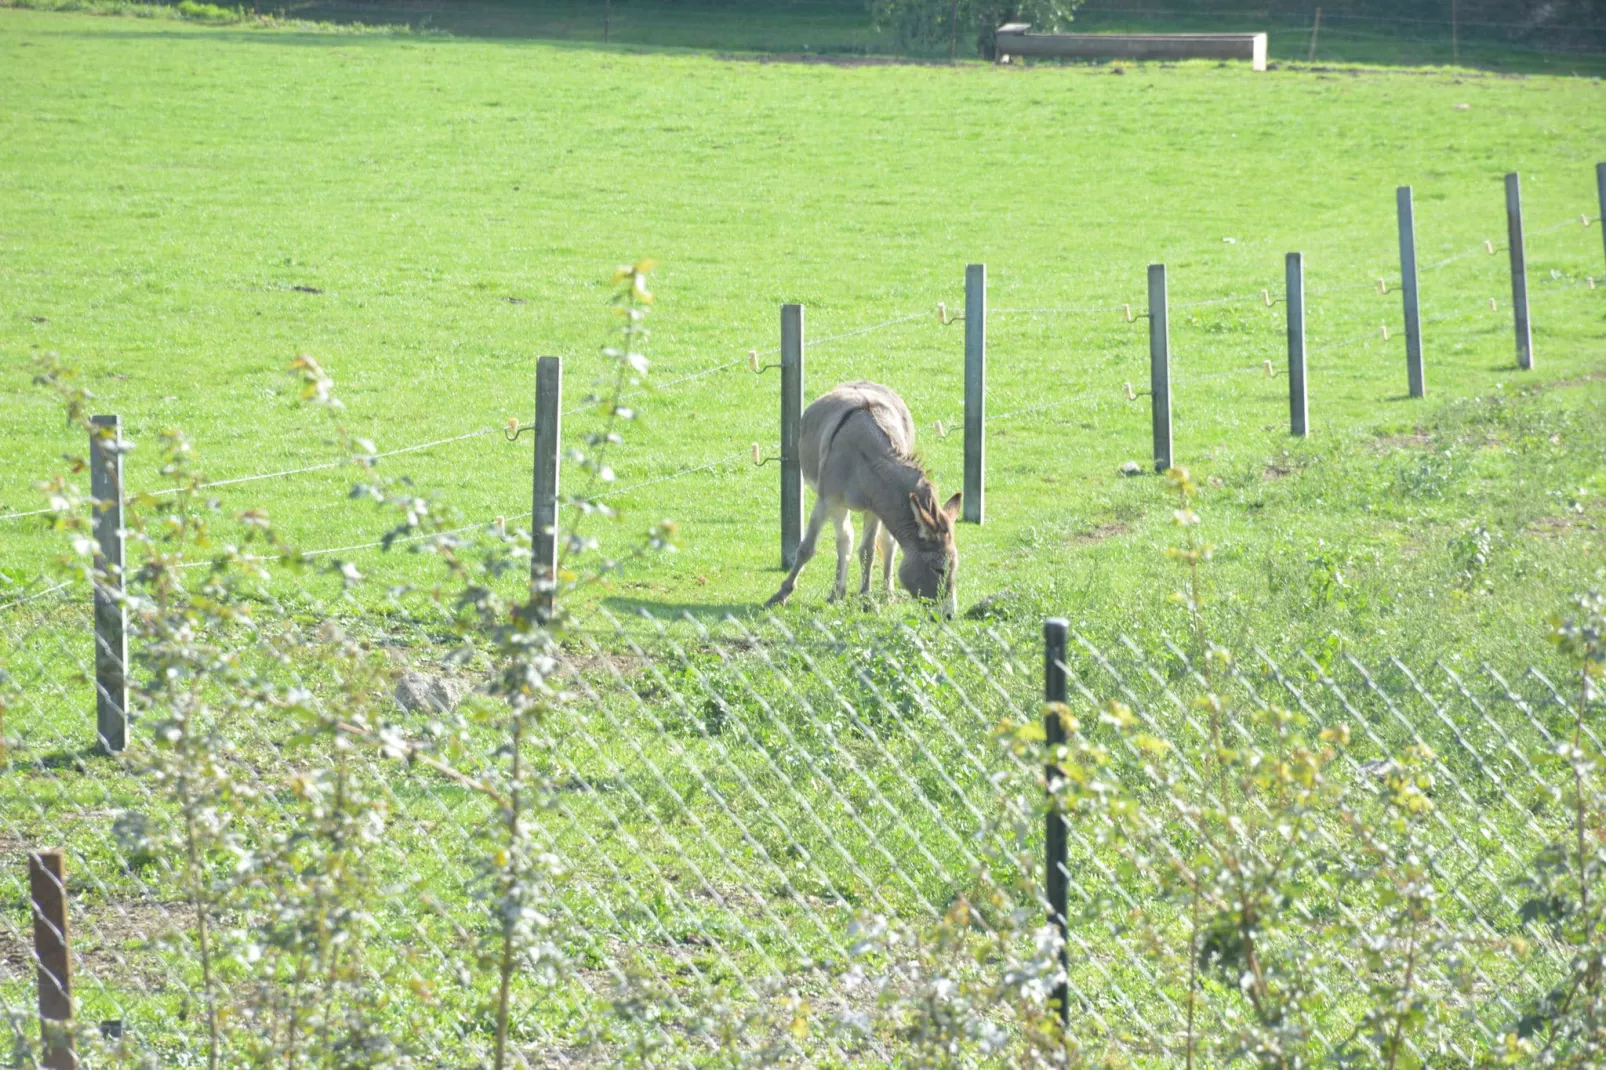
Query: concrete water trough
(1016, 39)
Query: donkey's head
(929, 567)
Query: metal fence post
(1413, 314)
(1519, 272)
(1600, 189)
(1294, 297)
(111, 616)
(1159, 367)
(791, 432)
(975, 391)
(544, 489)
(47, 885)
(1055, 630)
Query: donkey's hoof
(776, 599)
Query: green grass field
(172, 193)
(183, 209)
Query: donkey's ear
(951, 506)
(925, 521)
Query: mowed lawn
(184, 209)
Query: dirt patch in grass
(112, 941)
(588, 666)
(1416, 440)
(1560, 525)
(1555, 526)
(12, 848)
(1581, 380)
(1109, 529)
(563, 1058)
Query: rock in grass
(1377, 769)
(1131, 468)
(432, 694)
(1000, 605)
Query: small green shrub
(966, 24)
(199, 12)
(1426, 476)
(1471, 552)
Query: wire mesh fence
(800, 841)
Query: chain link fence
(791, 841)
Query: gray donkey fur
(857, 448)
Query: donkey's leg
(844, 552)
(889, 546)
(872, 527)
(805, 550)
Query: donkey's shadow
(706, 612)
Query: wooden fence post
(1519, 272)
(1600, 184)
(1294, 291)
(791, 432)
(1417, 385)
(111, 616)
(1159, 367)
(975, 391)
(1055, 630)
(47, 886)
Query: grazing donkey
(858, 443)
